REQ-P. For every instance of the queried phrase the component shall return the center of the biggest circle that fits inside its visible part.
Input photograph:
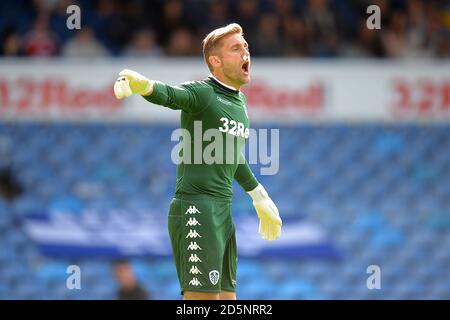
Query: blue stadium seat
(256, 289)
(298, 289)
(65, 204)
(387, 238)
(52, 272)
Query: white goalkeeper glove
(269, 218)
(130, 82)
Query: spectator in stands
(180, 43)
(41, 41)
(297, 40)
(438, 31)
(112, 24)
(84, 45)
(9, 186)
(247, 17)
(218, 15)
(283, 8)
(58, 20)
(395, 40)
(172, 20)
(313, 28)
(10, 43)
(129, 287)
(443, 49)
(321, 22)
(366, 44)
(418, 39)
(143, 45)
(268, 41)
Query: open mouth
(245, 66)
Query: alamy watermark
(374, 280)
(74, 20)
(226, 145)
(73, 281)
(374, 20)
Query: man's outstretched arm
(174, 97)
(269, 217)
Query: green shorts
(203, 240)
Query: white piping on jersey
(224, 84)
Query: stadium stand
(383, 192)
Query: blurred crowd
(288, 28)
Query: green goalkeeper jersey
(209, 159)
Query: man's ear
(215, 61)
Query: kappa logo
(194, 270)
(193, 222)
(194, 258)
(193, 234)
(228, 103)
(194, 282)
(194, 246)
(192, 210)
(214, 277)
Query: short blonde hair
(212, 40)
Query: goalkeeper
(200, 223)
